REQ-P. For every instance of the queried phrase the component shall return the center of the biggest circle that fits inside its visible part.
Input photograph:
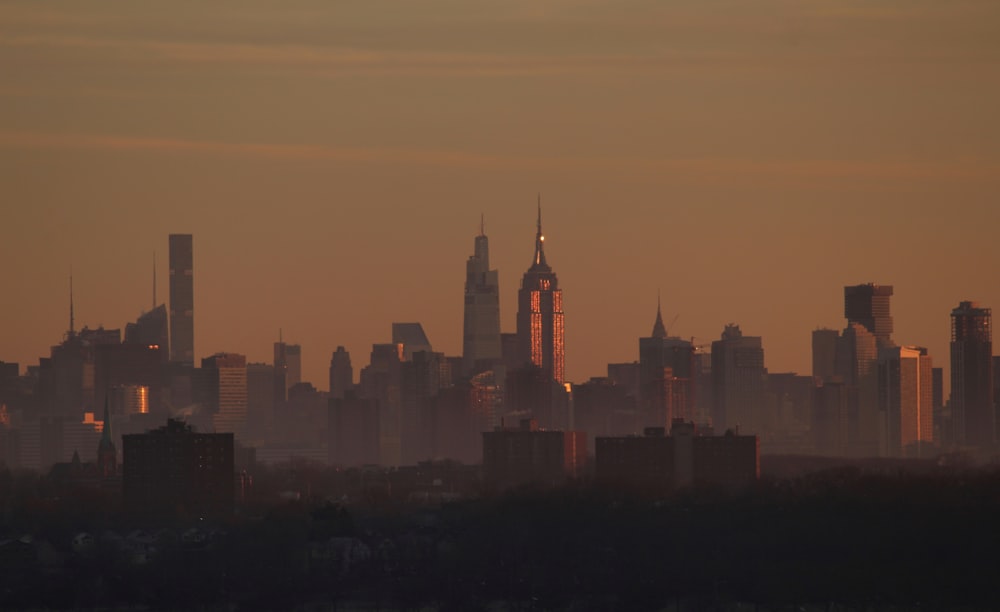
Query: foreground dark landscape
(855, 536)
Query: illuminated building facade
(540, 327)
(906, 398)
(971, 375)
(481, 347)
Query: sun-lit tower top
(539, 264)
(540, 327)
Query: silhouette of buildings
(341, 373)
(380, 382)
(738, 381)
(529, 455)
(411, 337)
(684, 458)
(868, 305)
(481, 348)
(176, 471)
(972, 405)
(107, 453)
(857, 366)
(540, 327)
(260, 401)
(182, 298)
(905, 400)
(353, 431)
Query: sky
(332, 160)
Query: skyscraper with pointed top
(540, 327)
(107, 454)
(666, 375)
(481, 329)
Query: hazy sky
(332, 159)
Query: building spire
(154, 280)
(482, 224)
(539, 240)
(72, 330)
(659, 330)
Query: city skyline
(333, 165)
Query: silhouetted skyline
(333, 165)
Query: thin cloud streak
(963, 170)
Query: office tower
(151, 329)
(857, 365)
(411, 337)
(905, 400)
(420, 380)
(830, 420)
(666, 368)
(824, 353)
(869, 306)
(972, 375)
(182, 298)
(288, 364)
(226, 388)
(626, 375)
(540, 327)
(117, 365)
(380, 381)
(481, 328)
(260, 401)
(738, 381)
(174, 470)
(341, 373)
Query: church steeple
(659, 329)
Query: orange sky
(332, 161)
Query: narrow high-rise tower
(971, 375)
(540, 329)
(182, 298)
(481, 330)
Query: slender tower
(972, 375)
(182, 298)
(540, 327)
(481, 329)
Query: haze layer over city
(333, 161)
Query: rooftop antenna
(72, 331)
(482, 224)
(154, 280)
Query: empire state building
(540, 329)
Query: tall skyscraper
(738, 381)
(971, 375)
(540, 327)
(481, 329)
(666, 375)
(869, 306)
(824, 353)
(288, 363)
(857, 366)
(906, 400)
(182, 298)
(341, 373)
(226, 388)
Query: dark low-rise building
(529, 455)
(175, 470)
(683, 458)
